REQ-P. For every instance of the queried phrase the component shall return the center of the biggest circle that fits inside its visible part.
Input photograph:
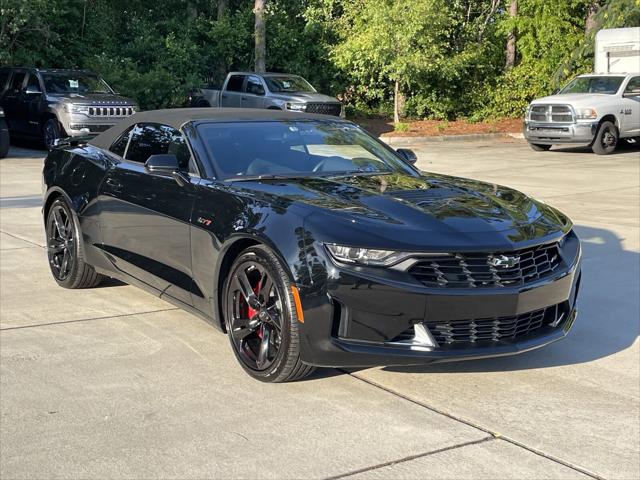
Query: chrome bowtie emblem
(502, 261)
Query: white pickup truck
(594, 109)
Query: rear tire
(261, 319)
(65, 250)
(538, 147)
(606, 139)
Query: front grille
(90, 127)
(483, 331)
(110, 111)
(551, 113)
(494, 329)
(324, 108)
(485, 270)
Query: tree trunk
(260, 36)
(511, 38)
(590, 21)
(396, 102)
(222, 8)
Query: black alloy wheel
(50, 133)
(261, 318)
(65, 251)
(606, 139)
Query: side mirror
(31, 90)
(407, 155)
(166, 164)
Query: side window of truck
(16, 82)
(633, 86)
(4, 76)
(235, 83)
(33, 82)
(254, 86)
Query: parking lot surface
(115, 383)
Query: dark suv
(51, 104)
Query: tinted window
(235, 83)
(153, 139)
(120, 145)
(297, 148)
(633, 86)
(33, 82)
(16, 82)
(254, 86)
(4, 75)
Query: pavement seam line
(410, 458)
(88, 319)
(469, 423)
(20, 238)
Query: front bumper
(555, 133)
(368, 313)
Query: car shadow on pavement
(622, 147)
(608, 320)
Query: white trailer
(617, 50)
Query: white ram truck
(596, 109)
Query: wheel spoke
(263, 355)
(65, 262)
(55, 246)
(242, 332)
(266, 285)
(245, 288)
(57, 218)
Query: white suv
(595, 110)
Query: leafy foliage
(446, 56)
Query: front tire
(51, 132)
(606, 139)
(539, 147)
(4, 138)
(261, 318)
(65, 249)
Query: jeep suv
(51, 104)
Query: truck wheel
(606, 139)
(202, 104)
(50, 133)
(538, 147)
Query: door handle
(115, 185)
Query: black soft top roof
(177, 117)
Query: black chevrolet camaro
(308, 241)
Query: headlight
(364, 256)
(70, 108)
(297, 107)
(586, 113)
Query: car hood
(419, 211)
(91, 99)
(305, 97)
(575, 99)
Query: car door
(630, 108)
(144, 217)
(253, 93)
(30, 102)
(231, 96)
(11, 102)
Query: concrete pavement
(113, 382)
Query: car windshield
(302, 148)
(607, 85)
(74, 83)
(288, 83)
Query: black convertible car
(308, 241)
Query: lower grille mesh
(324, 108)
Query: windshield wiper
(253, 178)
